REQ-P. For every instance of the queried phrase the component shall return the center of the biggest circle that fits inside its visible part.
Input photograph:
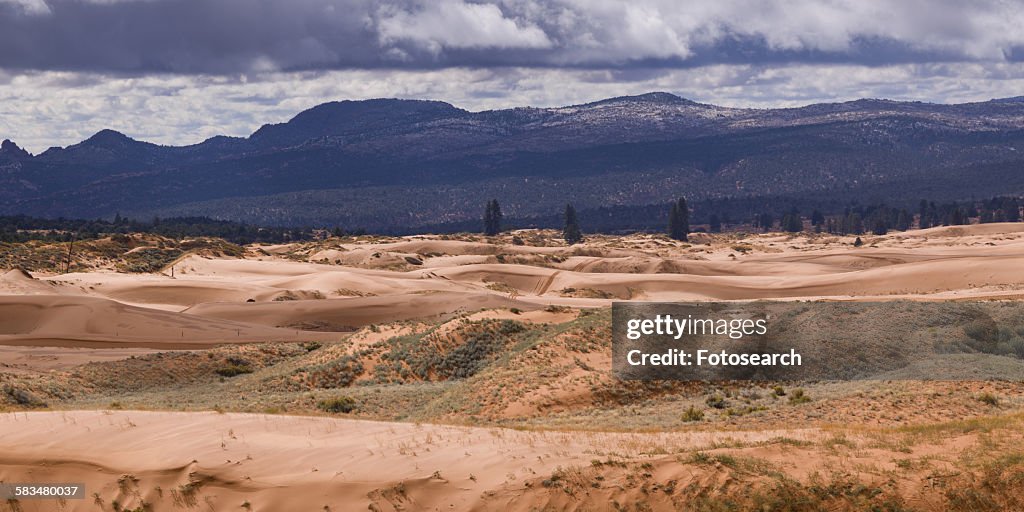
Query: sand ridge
(297, 287)
(302, 463)
(163, 461)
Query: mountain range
(407, 165)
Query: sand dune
(271, 287)
(20, 282)
(208, 461)
(220, 461)
(48, 320)
(351, 313)
(165, 461)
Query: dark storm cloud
(231, 36)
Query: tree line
(857, 220)
(22, 228)
(851, 220)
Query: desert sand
(350, 294)
(318, 294)
(132, 460)
(300, 463)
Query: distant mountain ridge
(399, 164)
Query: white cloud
(230, 36)
(456, 24)
(230, 55)
(33, 7)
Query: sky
(180, 71)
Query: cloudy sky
(179, 71)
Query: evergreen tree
(792, 223)
(856, 225)
(880, 227)
(903, 220)
(1011, 210)
(679, 220)
(571, 232)
(492, 218)
(957, 217)
(817, 218)
(714, 224)
(924, 220)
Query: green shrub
(988, 399)
(693, 414)
(339, 373)
(235, 366)
(982, 330)
(341, 404)
(798, 397)
(24, 397)
(716, 402)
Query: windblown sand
(208, 300)
(325, 291)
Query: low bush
(340, 404)
(693, 414)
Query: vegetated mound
(134, 253)
(496, 371)
(498, 368)
(184, 368)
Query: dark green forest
(761, 214)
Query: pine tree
(492, 218)
(714, 224)
(924, 221)
(792, 223)
(1011, 210)
(856, 225)
(679, 220)
(957, 217)
(903, 220)
(817, 218)
(880, 228)
(571, 232)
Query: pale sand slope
(350, 313)
(941, 263)
(279, 463)
(832, 272)
(61, 321)
(19, 282)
